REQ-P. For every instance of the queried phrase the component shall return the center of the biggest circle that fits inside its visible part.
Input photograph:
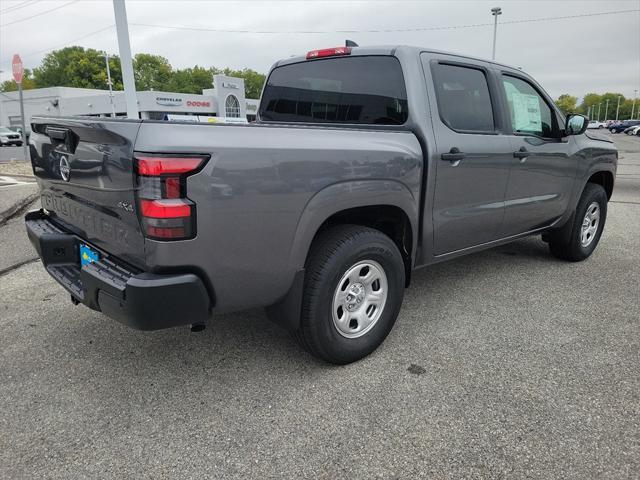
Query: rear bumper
(141, 300)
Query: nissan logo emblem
(65, 170)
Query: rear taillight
(329, 52)
(165, 210)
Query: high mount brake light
(165, 211)
(329, 52)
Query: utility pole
(606, 110)
(618, 108)
(633, 109)
(495, 11)
(122, 28)
(599, 106)
(110, 83)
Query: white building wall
(66, 101)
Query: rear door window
(359, 90)
(463, 98)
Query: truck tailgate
(84, 168)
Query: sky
(566, 55)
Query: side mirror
(575, 124)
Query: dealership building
(225, 99)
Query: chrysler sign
(169, 101)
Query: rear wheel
(353, 290)
(586, 228)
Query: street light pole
(122, 28)
(606, 110)
(599, 106)
(110, 83)
(633, 109)
(495, 11)
(618, 108)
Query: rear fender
(326, 203)
(346, 195)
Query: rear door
(544, 166)
(85, 172)
(473, 157)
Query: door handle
(454, 155)
(522, 153)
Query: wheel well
(390, 220)
(605, 179)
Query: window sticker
(526, 114)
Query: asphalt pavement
(8, 154)
(503, 364)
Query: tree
(28, 83)
(151, 72)
(191, 80)
(77, 67)
(567, 103)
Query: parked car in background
(622, 126)
(634, 130)
(321, 209)
(9, 137)
(19, 130)
(596, 124)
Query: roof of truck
(390, 50)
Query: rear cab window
(463, 98)
(366, 90)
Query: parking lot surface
(506, 363)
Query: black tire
(331, 256)
(571, 247)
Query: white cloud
(574, 56)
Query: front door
(472, 158)
(544, 166)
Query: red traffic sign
(18, 69)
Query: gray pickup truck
(364, 165)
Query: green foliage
(85, 68)
(597, 102)
(190, 80)
(151, 72)
(567, 103)
(28, 82)
(77, 67)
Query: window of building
(361, 90)
(463, 98)
(232, 107)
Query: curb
(18, 175)
(17, 207)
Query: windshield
(356, 90)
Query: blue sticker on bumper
(87, 255)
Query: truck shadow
(249, 341)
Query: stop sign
(18, 70)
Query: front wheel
(586, 228)
(353, 290)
